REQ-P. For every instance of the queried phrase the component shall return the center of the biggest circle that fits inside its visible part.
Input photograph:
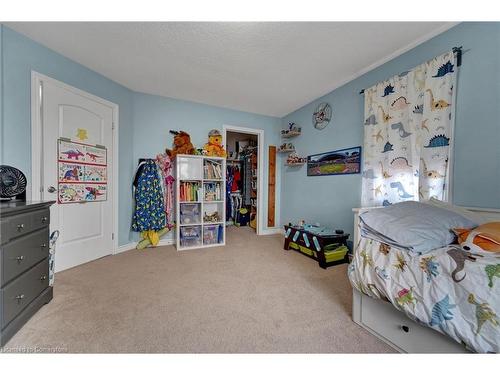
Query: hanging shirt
(236, 180)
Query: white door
(86, 229)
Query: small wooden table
(313, 245)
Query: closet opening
(242, 173)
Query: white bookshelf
(193, 231)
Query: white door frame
(34, 189)
(260, 166)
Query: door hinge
(112, 236)
(113, 126)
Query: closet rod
(456, 50)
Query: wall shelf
(290, 134)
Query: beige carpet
(250, 296)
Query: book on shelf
(213, 191)
(212, 170)
(189, 191)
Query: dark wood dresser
(24, 263)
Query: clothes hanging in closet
(229, 184)
(234, 199)
(236, 204)
(236, 185)
(247, 182)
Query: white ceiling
(267, 68)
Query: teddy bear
(214, 146)
(182, 144)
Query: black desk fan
(12, 183)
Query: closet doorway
(244, 177)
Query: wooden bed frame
(391, 325)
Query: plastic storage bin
(213, 234)
(190, 236)
(190, 213)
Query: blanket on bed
(448, 289)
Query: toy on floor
(182, 145)
(214, 146)
(151, 237)
(243, 217)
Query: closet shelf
(213, 201)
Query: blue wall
(22, 55)
(477, 152)
(154, 116)
(144, 119)
(1, 94)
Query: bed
(433, 302)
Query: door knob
(51, 189)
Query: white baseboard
(269, 231)
(132, 245)
(170, 241)
(123, 248)
(166, 242)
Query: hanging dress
(166, 168)
(149, 214)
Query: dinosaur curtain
(408, 134)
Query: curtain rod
(456, 50)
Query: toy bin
(190, 213)
(213, 234)
(190, 236)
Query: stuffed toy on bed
(485, 237)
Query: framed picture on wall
(344, 161)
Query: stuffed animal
(214, 146)
(485, 237)
(182, 145)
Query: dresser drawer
(18, 225)
(19, 293)
(22, 253)
(40, 219)
(409, 336)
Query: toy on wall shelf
(286, 147)
(295, 160)
(182, 145)
(292, 131)
(214, 146)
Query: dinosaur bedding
(448, 289)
